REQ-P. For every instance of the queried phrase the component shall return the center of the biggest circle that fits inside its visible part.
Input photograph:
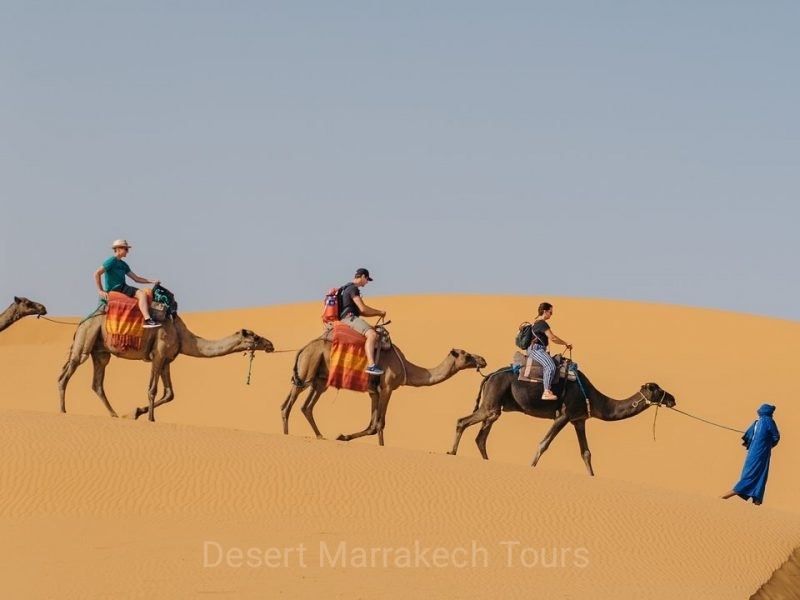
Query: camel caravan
(352, 354)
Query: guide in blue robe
(759, 439)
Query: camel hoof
(343, 438)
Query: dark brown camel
(159, 347)
(311, 369)
(502, 391)
(21, 307)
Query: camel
(21, 307)
(160, 346)
(311, 369)
(502, 391)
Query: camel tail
(295, 374)
(480, 392)
(295, 371)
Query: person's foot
(150, 324)
(374, 370)
(548, 395)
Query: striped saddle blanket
(348, 359)
(124, 323)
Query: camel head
(252, 341)
(27, 307)
(655, 395)
(465, 360)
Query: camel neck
(417, 376)
(9, 316)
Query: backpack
(331, 310)
(524, 336)
(164, 304)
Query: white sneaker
(151, 324)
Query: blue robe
(759, 439)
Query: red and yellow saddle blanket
(348, 360)
(124, 323)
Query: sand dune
(100, 507)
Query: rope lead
(706, 421)
(250, 365)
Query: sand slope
(126, 508)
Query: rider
(115, 270)
(352, 308)
(542, 336)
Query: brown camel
(21, 307)
(311, 368)
(160, 346)
(502, 391)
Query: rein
(660, 403)
(707, 421)
(54, 321)
(252, 353)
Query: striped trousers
(539, 353)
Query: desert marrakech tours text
(415, 555)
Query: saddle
(530, 371)
(123, 323)
(348, 359)
(337, 331)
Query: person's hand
(569, 346)
(104, 295)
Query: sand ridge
(140, 500)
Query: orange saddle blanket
(348, 360)
(124, 323)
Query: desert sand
(213, 499)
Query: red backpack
(330, 310)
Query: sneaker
(374, 370)
(548, 395)
(150, 324)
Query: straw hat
(120, 244)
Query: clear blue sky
(257, 153)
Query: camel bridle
(648, 401)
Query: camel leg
(308, 408)
(463, 423)
(483, 434)
(72, 364)
(100, 361)
(286, 407)
(580, 430)
(380, 418)
(372, 428)
(167, 396)
(152, 388)
(554, 430)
